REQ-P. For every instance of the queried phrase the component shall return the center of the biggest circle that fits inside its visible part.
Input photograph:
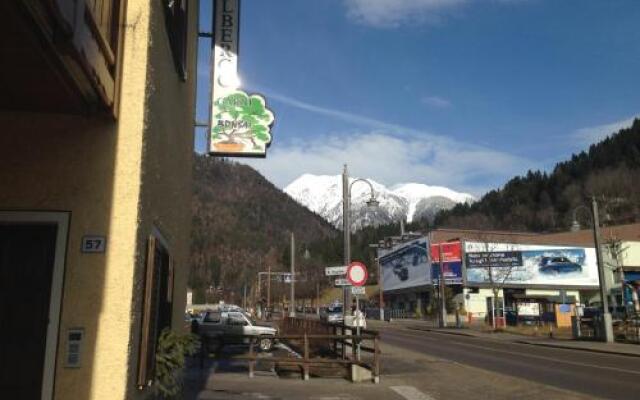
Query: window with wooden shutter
(176, 17)
(156, 308)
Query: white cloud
(436, 102)
(594, 134)
(389, 154)
(391, 13)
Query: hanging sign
(240, 122)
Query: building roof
(628, 232)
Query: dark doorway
(27, 254)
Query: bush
(170, 361)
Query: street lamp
(346, 226)
(380, 283)
(606, 316)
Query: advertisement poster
(530, 264)
(405, 265)
(451, 262)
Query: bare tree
(497, 273)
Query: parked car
(332, 315)
(558, 265)
(234, 327)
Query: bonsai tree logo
(241, 124)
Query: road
(594, 374)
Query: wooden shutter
(147, 339)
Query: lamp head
(373, 203)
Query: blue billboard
(405, 265)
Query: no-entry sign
(357, 273)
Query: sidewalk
(407, 375)
(631, 350)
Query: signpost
(342, 282)
(333, 271)
(357, 290)
(357, 275)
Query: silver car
(233, 327)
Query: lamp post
(292, 307)
(607, 326)
(346, 227)
(380, 282)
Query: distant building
(96, 154)
(528, 268)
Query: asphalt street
(594, 374)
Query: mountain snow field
(322, 194)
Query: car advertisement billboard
(451, 262)
(530, 264)
(405, 265)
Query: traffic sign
(357, 290)
(342, 282)
(357, 273)
(331, 271)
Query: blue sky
(459, 93)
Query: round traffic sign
(357, 273)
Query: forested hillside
(241, 223)
(609, 170)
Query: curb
(520, 341)
(559, 346)
(446, 332)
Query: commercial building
(95, 163)
(532, 275)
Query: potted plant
(170, 361)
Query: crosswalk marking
(410, 393)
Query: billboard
(451, 262)
(530, 264)
(405, 265)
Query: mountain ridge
(322, 194)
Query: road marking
(410, 393)
(490, 349)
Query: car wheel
(265, 343)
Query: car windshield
(335, 309)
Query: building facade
(95, 163)
(530, 275)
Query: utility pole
(269, 289)
(244, 297)
(318, 298)
(381, 289)
(346, 291)
(443, 303)
(607, 327)
(292, 306)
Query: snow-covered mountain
(322, 194)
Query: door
(27, 256)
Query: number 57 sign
(93, 244)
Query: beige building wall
(631, 257)
(119, 179)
